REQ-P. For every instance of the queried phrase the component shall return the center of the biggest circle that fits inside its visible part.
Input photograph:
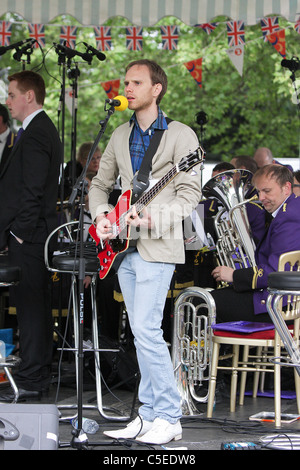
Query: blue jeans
(144, 286)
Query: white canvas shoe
(137, 427)
(162, 432)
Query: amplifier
(29, 427)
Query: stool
(9, 276)
(282, 284)
(66, 260)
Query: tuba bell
(235, 246)
(194, 315)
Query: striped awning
(149, 12)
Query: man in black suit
(28, 191)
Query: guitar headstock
(187, 162)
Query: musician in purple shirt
(245, 298)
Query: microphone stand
(61, 110)
(201, 119)
(74, 74)
(293, 65)
(80, 440)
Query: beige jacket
(175, 202)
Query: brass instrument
(235, 245)
(194, 313)
(195, 309)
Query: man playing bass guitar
(146, 271)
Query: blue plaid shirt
(139, 141)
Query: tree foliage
(244, 112)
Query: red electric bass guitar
(108, 250)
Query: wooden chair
(262, 341)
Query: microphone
(3, 49)
(72, 52)
(97, 53)
(120, 103)
(28, 49)
(293, 65)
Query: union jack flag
(103, 37)
(297, 25)
(207, 27)
(134, 38)
(235, 33)
(5, 32)
(269, 25)
(37, 32)
(68, 35)
(170, 36)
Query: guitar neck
(185, 164)
(148, 196)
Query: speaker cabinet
(29, 427)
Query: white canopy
(148, 12)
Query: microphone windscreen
(123, 101)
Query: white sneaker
(162, 432)
(137, 427)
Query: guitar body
(109, 249)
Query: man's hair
(29, 80)
(248, 162)
(223, 166)
(157, 75)
(84, 150)
(280, 173)
(297, 175)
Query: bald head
(263, 156)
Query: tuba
(194, 315)
(195, 310)
(235, 246)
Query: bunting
(68, 35)
(297, 25)
(269, 26)
(207, 27)
(111, 88)
(37, 32)
(236, 55)
(5, 32)
(195, 69)
(170, 36)
(103, 38)
(134, 38)
(235, 33)
(277, 39)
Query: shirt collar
(4, 135)
(278, 209)
(159, 123)
(29, 118)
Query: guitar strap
(141, 180)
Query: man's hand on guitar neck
(142, 220)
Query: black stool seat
(69, 264)
(9, 274)
(284, 280)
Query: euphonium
(195, 310)
(194, 314)
(235, 245)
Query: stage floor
(199, 433)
